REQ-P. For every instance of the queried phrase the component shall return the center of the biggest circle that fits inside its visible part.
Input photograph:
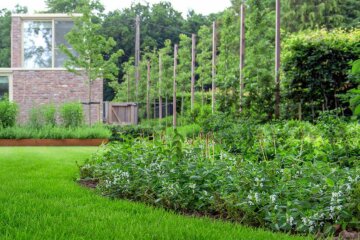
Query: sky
(199, 6)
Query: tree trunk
(89, 98)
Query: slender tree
(90, 48)
(203, 60)
(184, 68)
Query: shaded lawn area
(40, 200)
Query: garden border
(51, 142)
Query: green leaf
(330, 182)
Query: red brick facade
(34, 87)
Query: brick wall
(16, 35)
(36, 87)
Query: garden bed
(52, 142)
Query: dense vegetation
(46, 122)
(289, 176)
(229, 157)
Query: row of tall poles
(193, 61)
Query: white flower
(332, 208)
(192, 185)
(257, 197)
(290, 220)
(339, 208)
(273, 198)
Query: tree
(167, 73)
(260, 49)
(71, 6)
(92, 51)
(204, 59)
(228, 59)
(309, 14)
(5, 28)
(184, 67)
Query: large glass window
(61, 29)
(4, 86)
(42, 43)
(37, 44)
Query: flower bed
(301, 191)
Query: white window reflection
(38, 40)
(37, 44)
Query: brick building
(37, 75)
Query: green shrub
(8, 113)
(316, 68)
(286, 193)
(49, 112)
(43, 115)
(119, 133)
(36, 118)
(72, 114)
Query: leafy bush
(8, 113)
(286, 193)
(119, 133)
(316, 67)
(43, 115)
(49, 112)
(72, 114)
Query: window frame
(42, 18)
(10, 82)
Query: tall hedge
(316, 68)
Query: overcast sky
(200, 6)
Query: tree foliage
(93, 55)
(5, 28)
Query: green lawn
(40, 200)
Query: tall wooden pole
(174, 85)
(277, 61)
(242, 53)
(193, 56)
(137, 56)
(160, 97)
(213, 85)
(148, 91)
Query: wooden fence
(121, 113)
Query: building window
(37, 44)
(61, 29)
(4, 86)
(42, 41)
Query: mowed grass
(39, 199)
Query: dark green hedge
(316, 68)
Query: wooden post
(137, 57)
(174, 85)
(213, 68)
(242, 52)
(160, 97)
(193, 56)
(148, 91)
(277, 61)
